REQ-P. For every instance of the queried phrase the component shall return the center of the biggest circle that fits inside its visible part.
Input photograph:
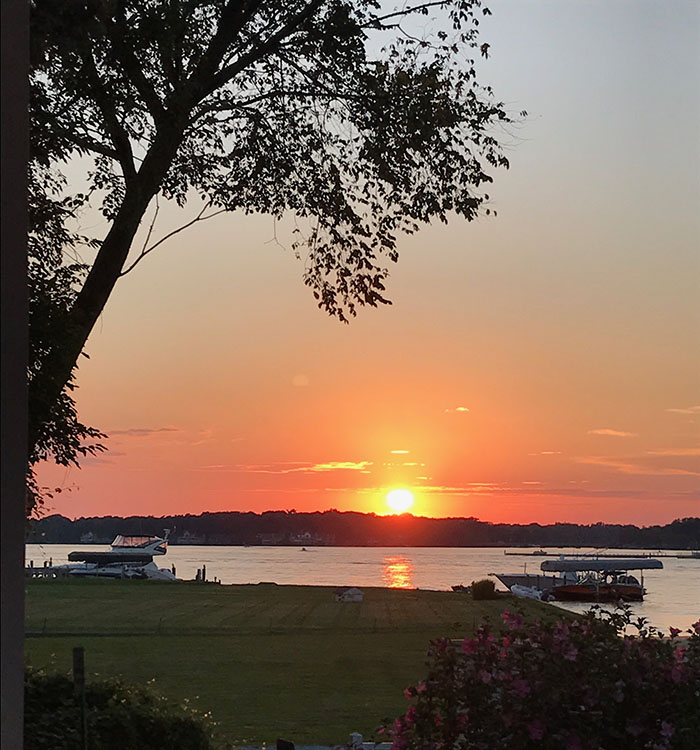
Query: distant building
(306, 538)
(270, 538)
(188, 538)
(351, 594)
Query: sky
(538, 366)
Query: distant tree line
(338, 528)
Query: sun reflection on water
(398, 572)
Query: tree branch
(125, 55)
(119, 136)
(146, 250)
(377, 20)
(260, 50)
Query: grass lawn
(268, 661)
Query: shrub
(575, 685)
(484, 589)
(119, 717)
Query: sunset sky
(543, 365)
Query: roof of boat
(122, 540)
(601, 564)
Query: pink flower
(667, 730)
(485, 676)
(409, 692)
(513, 621)
(470, 646)
(437, 719)
(422, 687)
(535, 729)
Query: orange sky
(538, 366)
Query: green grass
(267, 661)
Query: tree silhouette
(363, 120)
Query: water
(673, 594)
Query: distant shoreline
(351, 529)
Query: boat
(601, 580)
(537, 581)
(128, 557)
(529, 592)
(584, 580)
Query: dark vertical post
(79, 688)
(14, 22)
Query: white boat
(528, 592)
(537, 581)
(129, 557)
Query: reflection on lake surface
(398, 572)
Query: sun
(399, 500)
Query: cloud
(399, 451)
(142, 431)
(634, 466)
(339, 465)
(292, 467)
(546, 453)
(531, 491)
(457, 409)
(611, 433)
(675, 452)
(686, 410)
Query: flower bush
(579, 684)
(119, 717)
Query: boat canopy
(601, 564)
(135, 541)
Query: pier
(603, 553)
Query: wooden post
(79, 688)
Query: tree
(53, 282)
(362, 120)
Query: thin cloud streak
(612, 433)
(686, 410)
(632, 466)
(675, 452)
(291, 467)
(142, 431)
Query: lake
(673, 594)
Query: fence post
(79, 689)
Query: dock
(542, 553)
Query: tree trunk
(47, 385)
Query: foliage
(360, 121)
(54, 428)
(483, 589)
(581, 685)
(119, 717)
